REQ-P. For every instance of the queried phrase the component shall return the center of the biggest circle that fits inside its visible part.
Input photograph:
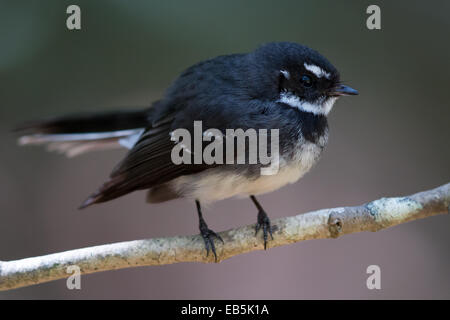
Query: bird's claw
(208, 237)
(264, 223)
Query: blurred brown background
(393, 139)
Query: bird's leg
(207, 234)
(263, 221)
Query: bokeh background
(393, 139)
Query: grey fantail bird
(284, 86)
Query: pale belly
(216, 184)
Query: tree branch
(326, 223)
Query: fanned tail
(77, 134)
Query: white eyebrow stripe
(318, 71)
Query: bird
(285, 86)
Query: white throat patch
(320, 108)
(318, 71)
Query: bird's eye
(306, 81)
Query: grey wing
(148, 164)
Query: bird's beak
(342, 90)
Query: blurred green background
(393, 139)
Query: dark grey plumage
(232, 91)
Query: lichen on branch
(325, 223)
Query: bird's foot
(208, 237)
(264, 223)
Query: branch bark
(326, 223)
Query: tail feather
(88, 122)
(74, 135)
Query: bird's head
(300, 77)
